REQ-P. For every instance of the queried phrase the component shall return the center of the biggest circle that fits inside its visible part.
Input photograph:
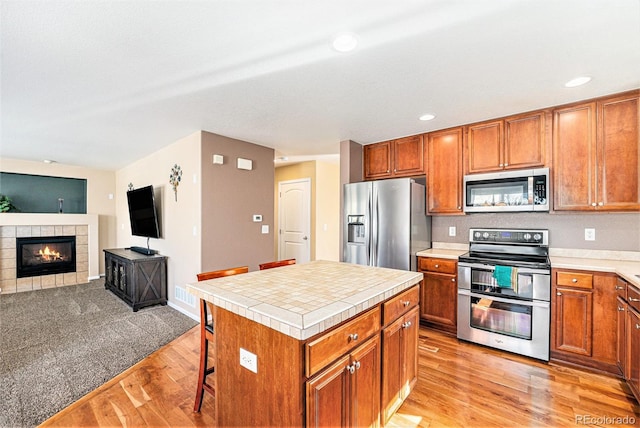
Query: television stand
(143, 250)
(139, 280)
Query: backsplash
(614, 231)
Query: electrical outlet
(248, 360)
(589, 234)
(452, 231)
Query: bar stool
(269, 265)
(206, 334)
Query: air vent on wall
(183, 296)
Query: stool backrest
(222, 272)
(277, 263)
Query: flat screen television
(142, 212)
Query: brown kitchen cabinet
(400, 361)
(348, 392)
(403, 157)
(439, 294)
(583, 320)
(514, 142)
(628, 339)
(596, 155)
(443, 152)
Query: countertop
(624, 263)
(303, 300)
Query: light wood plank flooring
(459, 385)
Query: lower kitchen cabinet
(400, 362)
(439, 294)
(583, 319)
(628, 349)
(348, 392)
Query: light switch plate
(452, 231)
(265, 229)
(249, 360)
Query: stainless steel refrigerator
(385, 223)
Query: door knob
(304, 238)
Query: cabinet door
(408, 156)
(621, 349)
(619, 161)
(573, 321)
(444, 172)
(399, 362)
(377, 160)
(574, 157)
(328, 396)
(484, 147)
(365, 384)
(525, 141)
(438, 303)
(633, 350)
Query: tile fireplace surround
(83, 227)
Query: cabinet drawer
(633, 297)
(338, 342)
(438, 265)
(575, 280)
(621, 288)
(400, 304)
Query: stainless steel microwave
(520, 190)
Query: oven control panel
(510, 236)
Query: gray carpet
(57, 345)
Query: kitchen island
(320, 343)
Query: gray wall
(614, 231)
(230, 197)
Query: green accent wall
(40, 193)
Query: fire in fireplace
(45, 255)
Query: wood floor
(459, 385)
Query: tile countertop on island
(302, 300)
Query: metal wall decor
(174, 179)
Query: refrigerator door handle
(374, 230)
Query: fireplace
(45, 255)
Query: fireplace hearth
(47, 255)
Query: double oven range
(504, 291)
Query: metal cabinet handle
(406, 303)
(506, 164)
(406, 324)
(600, 203)
(638, 326)
(558, 294)
(620, 309)
(357, 365)
(453, 280)
(501, 165)
(574, 280)
(459, 208)
(619, 288)
(437, 266)
(351, 368)
(353, 336)
(631, 299)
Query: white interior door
(294, 220)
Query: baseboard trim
(184, 311)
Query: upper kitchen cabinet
(596, 155)
(396, 158)
(444, 171)
(511, 143)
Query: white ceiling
(103, 83)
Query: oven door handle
(524, 270)
(532, 303)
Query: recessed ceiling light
(49, 161)
(577, 81)
(345, 42)
(427, 117)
